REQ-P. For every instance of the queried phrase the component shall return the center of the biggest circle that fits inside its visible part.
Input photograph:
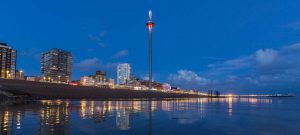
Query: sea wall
(42, 90)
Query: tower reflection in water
(53, 117)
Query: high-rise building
(56, 66)
(123, 73)
(8, 58)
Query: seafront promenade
(41, 90)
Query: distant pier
(259, 95)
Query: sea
(193, 116)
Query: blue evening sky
(199, 44)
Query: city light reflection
(54, 115)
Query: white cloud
(266, 56)
(187, 78)
(146, 77)
(252, 81)
(121, 54)
(231, 78)
(88, 64)
(99, 38)
(265, 69)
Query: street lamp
(7, 74)
(58, 79)
(20, 74)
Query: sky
(232, 46)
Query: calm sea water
(225, 116)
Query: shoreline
(28, 90)
(42, 90)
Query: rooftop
(4, 45)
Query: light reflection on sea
(168, 116)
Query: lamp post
(20, 74)
(7, 74)
(58, 79)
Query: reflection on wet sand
(6, 119)
(54, 115)
(54, 118)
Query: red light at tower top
(150, 24)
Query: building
(20, 75)
(8, 57)
(87, 81)
(100, 77)
(33, 78)
(98, 80)
(123, 73)
(111, 83)
(56, 66)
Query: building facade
(87, 81)
(56, 66)
(33, 78)
(123, 73)
(8, 57)
(100, 77)
(97, 80)
(20, 75)
(111, 83)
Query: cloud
(186, 78)
(92, 64)
(99, 38)
(88, 64)
(266, 56)
(264, 70)
(121, 54)
(230, 66)
(146, 77)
